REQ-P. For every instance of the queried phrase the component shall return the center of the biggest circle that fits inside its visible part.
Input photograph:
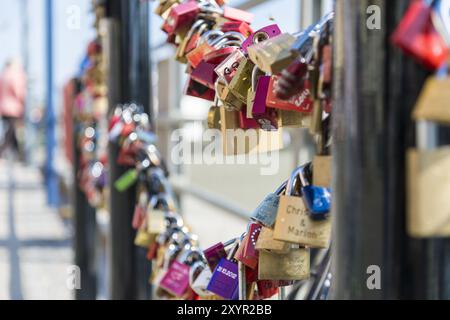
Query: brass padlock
(294, 224)
(229, 100)
(432, 104)
(274, 54)
(242, 81)
(267, 242)
(293, 265)
(290, 119)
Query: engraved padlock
(241, 83)
(225, 279)
(228, 68)
(247, 253)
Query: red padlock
(247, 123)
(266, 289)
(417, 36)
(300, 102)
(181, 16)
(195, 89)
(247, 253)
(204, 74)
(237, 26)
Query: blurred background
(50, 41)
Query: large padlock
(274, 54)
(294, 265)
(261, 35)
(266, 212)
(294, 224)
(225, 279)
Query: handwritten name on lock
(294, 225)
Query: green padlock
(128, 179)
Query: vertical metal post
(375, 89)
(51, 179)
(129, 81)
(85, 225)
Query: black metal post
(376, 87)
(129, 81)
(85, 229)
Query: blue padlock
(317, 199)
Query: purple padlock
(261, 35)
(266, 117)
(225, 280)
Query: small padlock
(228, 68)
(195, 89)
(266, 117)
(247, 253)
(216, 252)
(225, 280)
(317, 199)
(242, 80)
(180, 16)
(299, 102)
(199, 278)
(267, 242)
(237, 26)
(266, 212)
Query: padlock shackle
(193, 269)
(297, 173)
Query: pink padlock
(204, 73)
(247, 123)
(176, 279)
(261, 35)
(266, 117)
(181, 16)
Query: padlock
(182, 15)
(322, 171)
(205, 45)
(242, 80)
(274, 54)
(266, 289)
(214, 118)
(294, 265)
(143, 238)
(247, 123)
(261, 35)
(225, 280)
(291, 119)
(237, 26)
(266, 117)
(140, 208)
(194, 35)
(266, 212)
(294, 224)
(299, 102)
(228, 68)
(176, 279)
(155, 221)
(127, 180)
(204, 74)
(195, 89)
(199, 277)
(229, 100)
(247, 253)
(267, 242)
(216, 252)
(237, 15)
(417, 36)
(317, 199)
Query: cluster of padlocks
(258, 80)
(274, 251)
(90, 108)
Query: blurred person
(12, 102)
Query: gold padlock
(322, 171)
(293, 223)
(273, 55)
(214, 118)
(432, 104)
(267, 242)
(229, 100)
(294, 265)
(242, 80)
(290, 119)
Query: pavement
(35, 245)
